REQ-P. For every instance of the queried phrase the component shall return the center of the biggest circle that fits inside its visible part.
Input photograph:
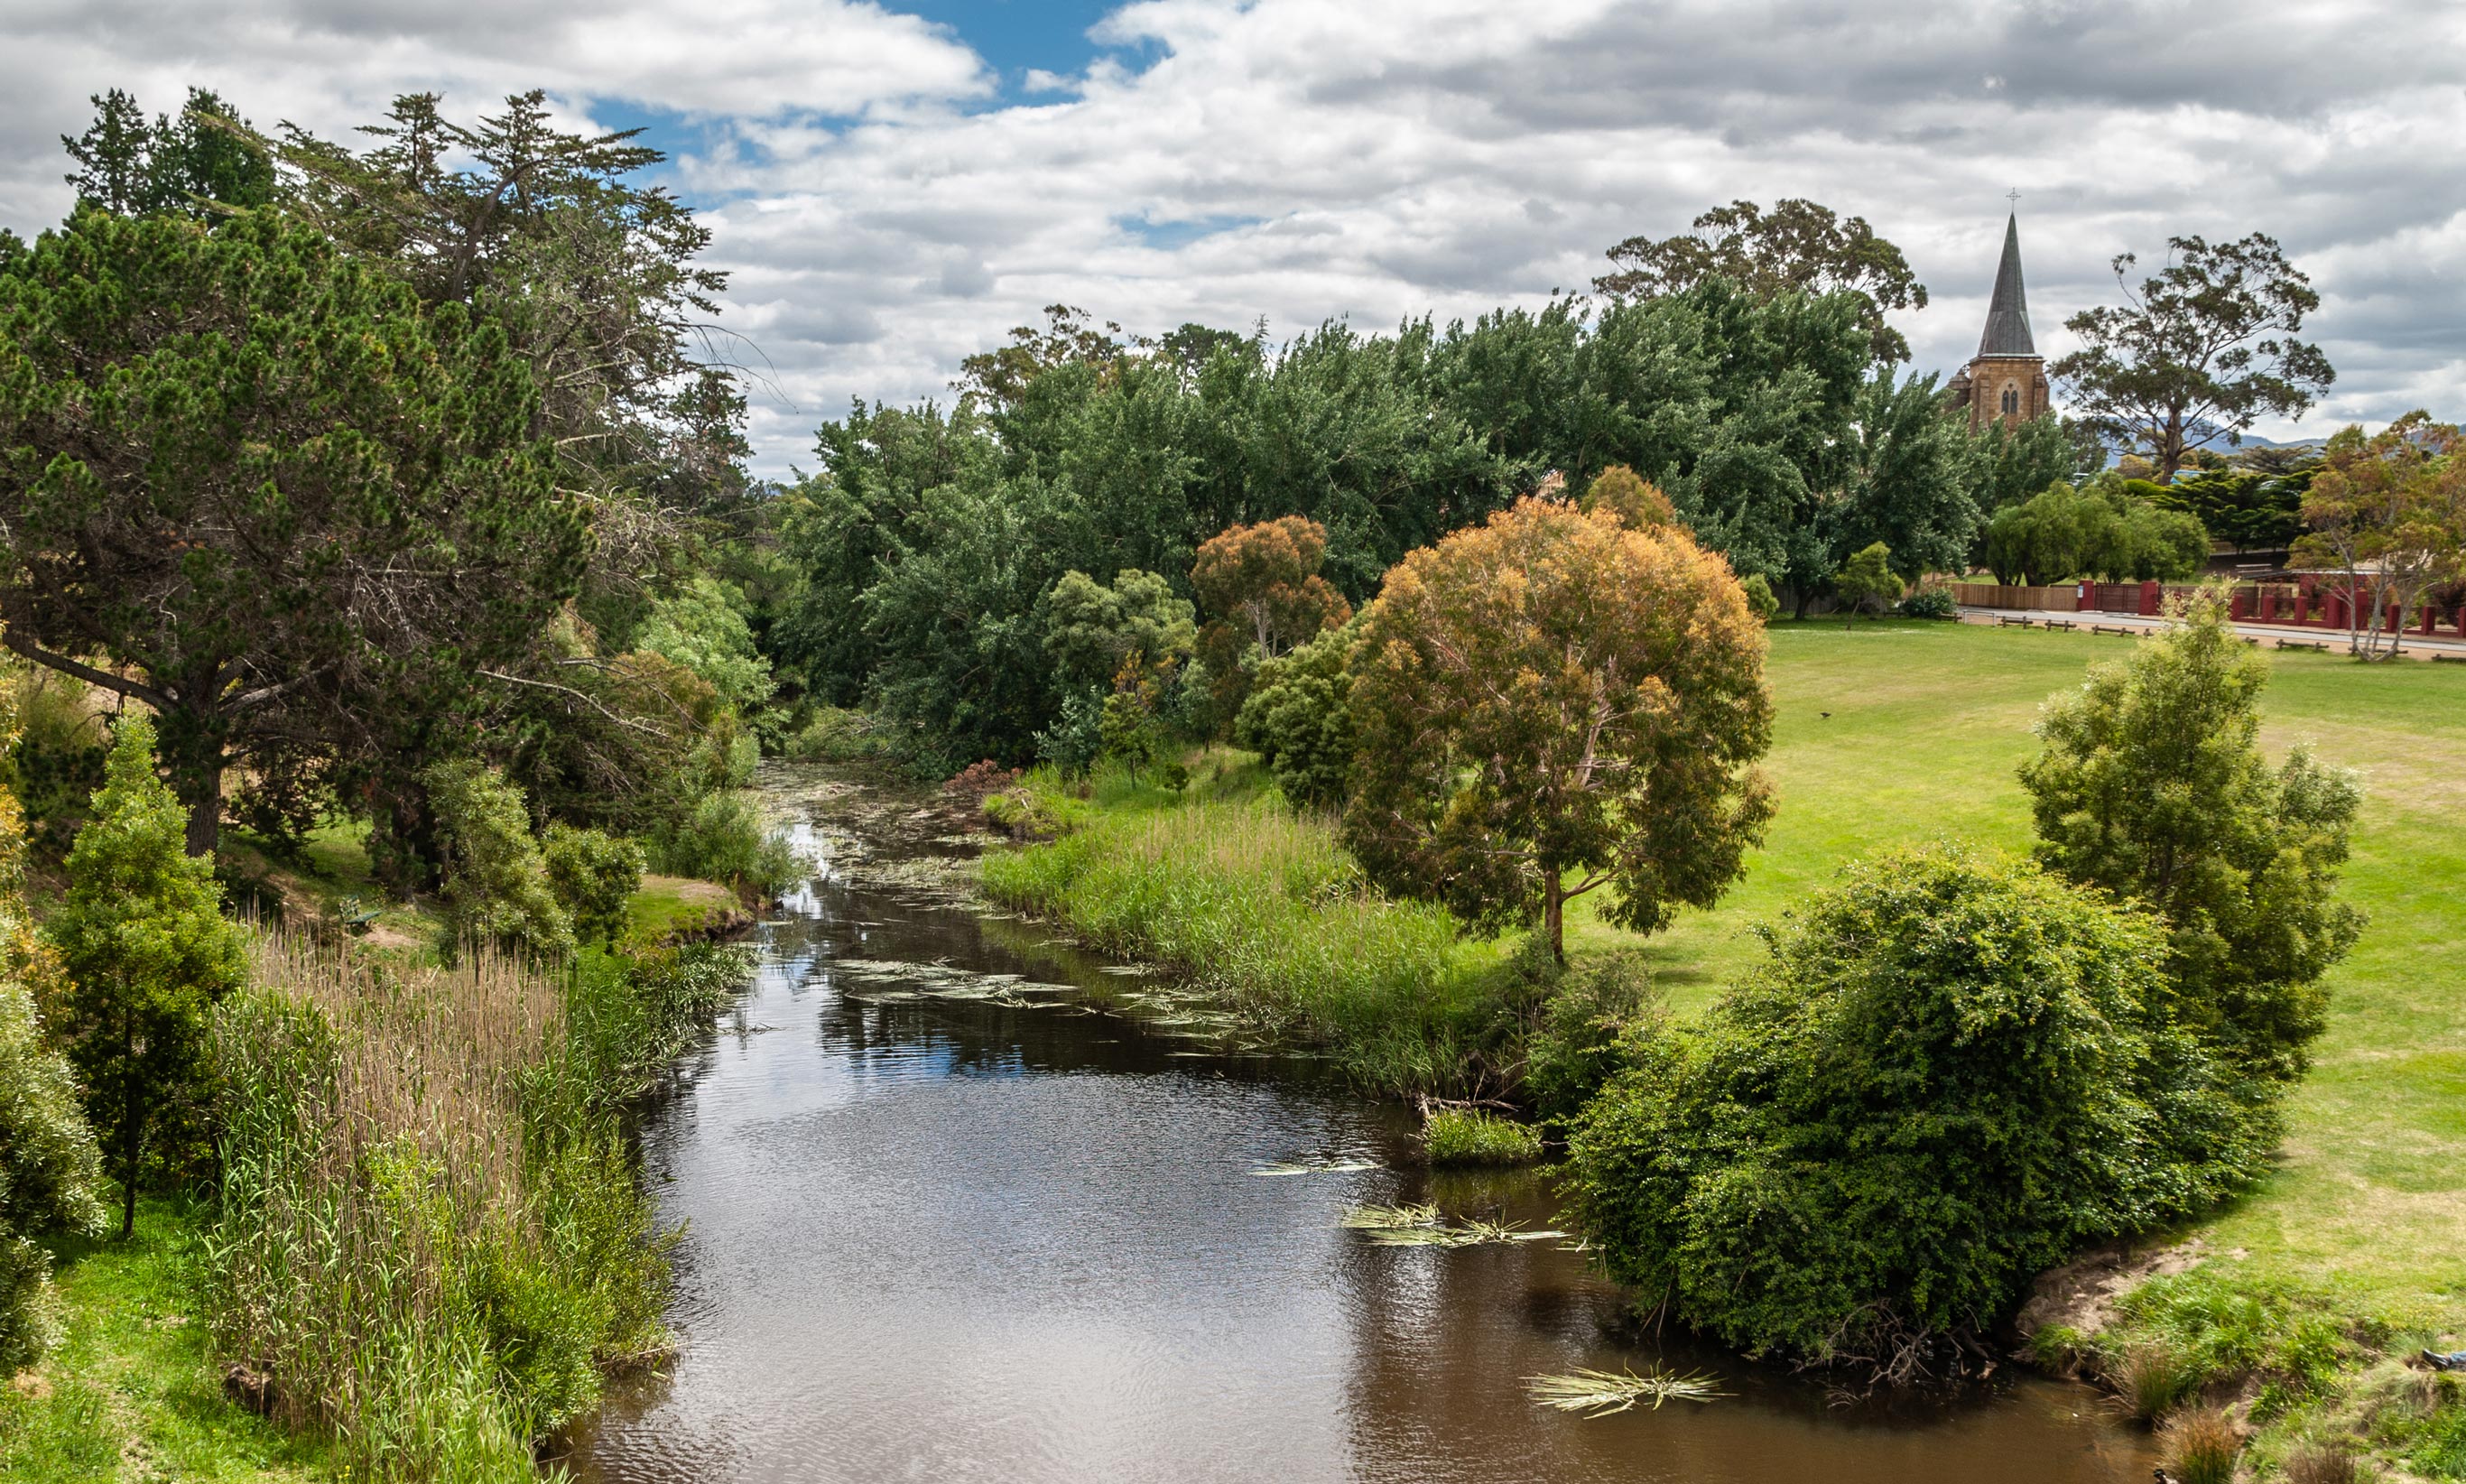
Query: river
(966, 1203)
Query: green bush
(1594, 1009)
(51, 1172)
(2152, 786)
(1297, 720)
(1076, 738)
(593, 876)
(1455, 1135)
(1931, 602)
(1952, 1072)
(497, 887)
(725, 840)
(1761, 600)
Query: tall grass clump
(1262, 906)
(2199, 1446)
(428, 1244)
(1455, 1135)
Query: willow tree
(1553, 704)
(255, 485)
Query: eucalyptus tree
(2200, 351)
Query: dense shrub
(1761, 600)
(725, 840)
(497, 887)
(51, 1172)
(51, 1175)
(593, 876)
(1592, 1011)
(1954, 1070)
(1297, 721)
(1931, 602)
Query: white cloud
(884, 214)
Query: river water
(964, 1204)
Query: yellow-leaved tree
(1553, 703)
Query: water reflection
(988, 1230)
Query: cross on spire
(2013, 195)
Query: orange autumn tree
(1260, 586)
(1555, 702)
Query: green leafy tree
(199, 163)
(2203, 350)
(1093, 631)
(497, 885)
(2152, 786)
(1553, 703)
(2390, 511)
(2111, 529)
(1911, 481)
(51, 1170)
(1759, 597)
(591, 275)
(1798, 247)
(1867, 579)
(142, 940)
(593, 876)
(248, 482)
(702, 627)
(1952, 1072)
(1298, 718)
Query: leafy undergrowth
(2306, 1373)
(1251, 901)
(132, 1391)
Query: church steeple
(2006, 380)
(2007, 312)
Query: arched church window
(2011, 399)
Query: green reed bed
(430, 1245)
(1262, 906)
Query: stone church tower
(2006, 380)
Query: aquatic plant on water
(1602, 1393)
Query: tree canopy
(255, 485)
(2152, 786)
(2390, 511)
(1555, 694)
(1799, 247)
(2200, 351)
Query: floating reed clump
(1600, 1393)
(1389, 1218)
(426, 1246)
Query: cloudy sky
(892, 186)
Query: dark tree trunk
(206, 811)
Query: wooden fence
(1996, 594)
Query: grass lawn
(1927, 724)
(131, 1392)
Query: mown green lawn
(1904, 731)
(132, 1393)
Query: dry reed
(385, 1264)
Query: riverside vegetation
(2305, 1293)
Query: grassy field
(1895, 731)
(1927, 724)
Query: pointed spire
(2007, 312)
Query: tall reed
(428, 1244)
